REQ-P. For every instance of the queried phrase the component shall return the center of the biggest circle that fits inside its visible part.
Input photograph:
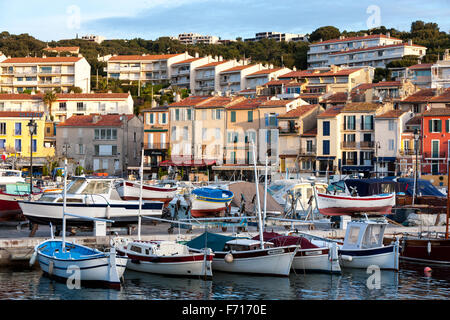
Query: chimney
(220, 58)
(294, 68)
(109, 91)
(196, 55)
(177, 97)
(388, 34)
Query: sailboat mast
(448, 203)
(257, 197)
(141, 176)
(64, 208)
(265, 191)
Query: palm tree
(49, 98)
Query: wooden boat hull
(385, 257)
(336, 205)
(425, 250)
(131, 191)
(273, 261)
(101, 268)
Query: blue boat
(210, 201)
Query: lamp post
(377, 147)
(32, 126)
(416, 147)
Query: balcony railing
(307, 151)
(437, 155)
(366, 144)
(160, 146)
(288, 131)
(407, 152)
(349, 144)
(350, 162)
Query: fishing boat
(94, 197)
(10, 176)
(363, 246)
(9, 195)
(309, 257)
(244, 255)
(62, 260)
(167, 258)
(342, 204)
(208, 202)
(129, 190)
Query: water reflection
(409, 283)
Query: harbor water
(408, 284)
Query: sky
(228, 19)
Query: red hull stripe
(338, 211)
(355, 198)
(197, 257)
(129, 184)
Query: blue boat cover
(218, 194)
(214, 241)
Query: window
(105, 134)
(353, 235)
(2, 144)
(435, 125)
(34, 145)
(204, 131)
(185, 133)
(18, 129)
(105, 150)
(163, 119)
(177, 114)
(62, 106)
(233, 116)
(189, 114)
(18, 145)
(250, 116)
(80, 149)
(349, 123)
(204, 114)
(173, 134)
(326, 147)
(271, 119)
(309, 146)
(151, 118)
(391, 125)
(391, 144)
(326, 128)
(3, 128)
(218, 134)
(81, 106)
(366, 123)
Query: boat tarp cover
(368, 187)
(212, 193)
(280, 240)
(214, 241)
(18, 188)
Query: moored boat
(167, 258)
(130, 190)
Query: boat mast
(265, 191)
(141, 176)
(257, 197)
(448, 203)
(64, 207)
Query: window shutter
(276, 119)
(266, 118)
(439, 126)
(345, 122)
(362, 122)
(446, 126)
(430, 125)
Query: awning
(325, 158)
(357, 168)
(187, 163)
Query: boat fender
(333, 252)
(229, 258)
(429, 247)
(346, 258)
(107, 211)
(33, 258)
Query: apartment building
(342, 51)
(296, 139)
(68, 104)
(234, 79)
(100, 143)
(44, 74)
(278, 36)
(441, 100)
(420, 75)
(440, 72)
(15, 139)
(418, 102)
(94, 38)
(389, 129)
(183, 72)
(145, 68)
(195, 38)
(156, 136)
(207, 76)
(261, 77)
(394, 91)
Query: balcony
(435, 155)
(348, 145)
(350, 162)
(307, 151)
(407, 152)
(287, 131)
(157, 146)
(366, 144)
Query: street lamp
(416, 147)
(32, 126)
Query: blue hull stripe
(367, 252)
(85, 268)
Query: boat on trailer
(208, 202)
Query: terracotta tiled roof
(422, 96)
(338, 97)
(141, 57)
(331, 112)
(262, 72)
(248, 104)
(278, 82)
(376, 48)
(295, 74)
(107, 120)
(156, 109)
(309, 74)
(276, 103)
(391, 114)
(373, 36)
(416, 120)
(191, 101)
(444, 97)
(219, 102)
(238, 68)
(42, 60)
(312, 132)
(420, 66)
(437, 112)
(361, 107)
(20, 96)
(298, 112)
(92, 95)
(20, 114)
(211, 64)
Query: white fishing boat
(129, 190)
(343, 204)
(363, 246)
(94, 197)
(10, 176)
(167, 258)
(62, 260)
(210, 201)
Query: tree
(49, 98)
(75, 89)
(325, 33)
